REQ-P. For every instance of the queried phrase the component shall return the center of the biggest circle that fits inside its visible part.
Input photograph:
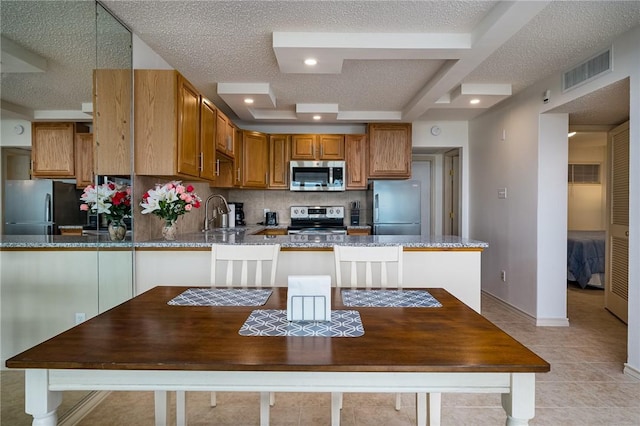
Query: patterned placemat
(273, 322)
(390, 298)
(222, 297)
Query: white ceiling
(377, 60)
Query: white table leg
(265, 405)
(160, 401)
(181, 408)
(40, 402)
(520, 403)
(434, 408)
(336, 405)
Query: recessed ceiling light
(248, 101)
(310, 61)
(317, 117)
(474, 101)
(571, 134)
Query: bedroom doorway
(593, 117)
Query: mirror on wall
(62, 62)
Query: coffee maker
(239, 214)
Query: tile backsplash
(255, 201)
(147, 227)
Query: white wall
(507, 224)
(524, 230)
(9, 136)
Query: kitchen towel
(221, 297)
(389, 298)
(309, 298)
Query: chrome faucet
(226, 210)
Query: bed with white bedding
(586, 258)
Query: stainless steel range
(316, 221)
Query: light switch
(502, 193)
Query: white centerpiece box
(309, 298)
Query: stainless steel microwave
(316, 175)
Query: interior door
(617, 272)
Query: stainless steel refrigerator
(394, 207)
(39, 206)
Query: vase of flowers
(169, 202)
(113, 201)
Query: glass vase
(169, 231)
(117, 230)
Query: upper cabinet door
(188, 128)
(225, 134)
(355, 147)
(52, 151)
(255, 156)
(84, 159)
(303, 147)
(331, 147)
(112, 121)
(279, 154)
(390, 151)
(207, 140)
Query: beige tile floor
(585, 386)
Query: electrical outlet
(80, 317)
(503, 275)
(265, 211)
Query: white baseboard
(538, 322)
(82, 408)
(630, 371)
(552, 322)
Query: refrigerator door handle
(47, 208)
(375, 207)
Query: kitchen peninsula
(449, 262)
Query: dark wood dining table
(147, 344)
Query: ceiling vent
(587, 71)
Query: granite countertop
(241, 235)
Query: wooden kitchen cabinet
(225, 135)
(317, 147)
(188, 128)
(358, 231)
(255, 160)
(52, 150)
(389, 150)
(279, 155)
(112, 121)
(355, 148)
(84, 159)
(208, 117)
(169, 132)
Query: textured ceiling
(211, 42)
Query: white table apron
(43, 386)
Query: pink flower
(183, 196)
(84, 207)
(179, 189)
(188, 198)
(190, 188)
(188, 207)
